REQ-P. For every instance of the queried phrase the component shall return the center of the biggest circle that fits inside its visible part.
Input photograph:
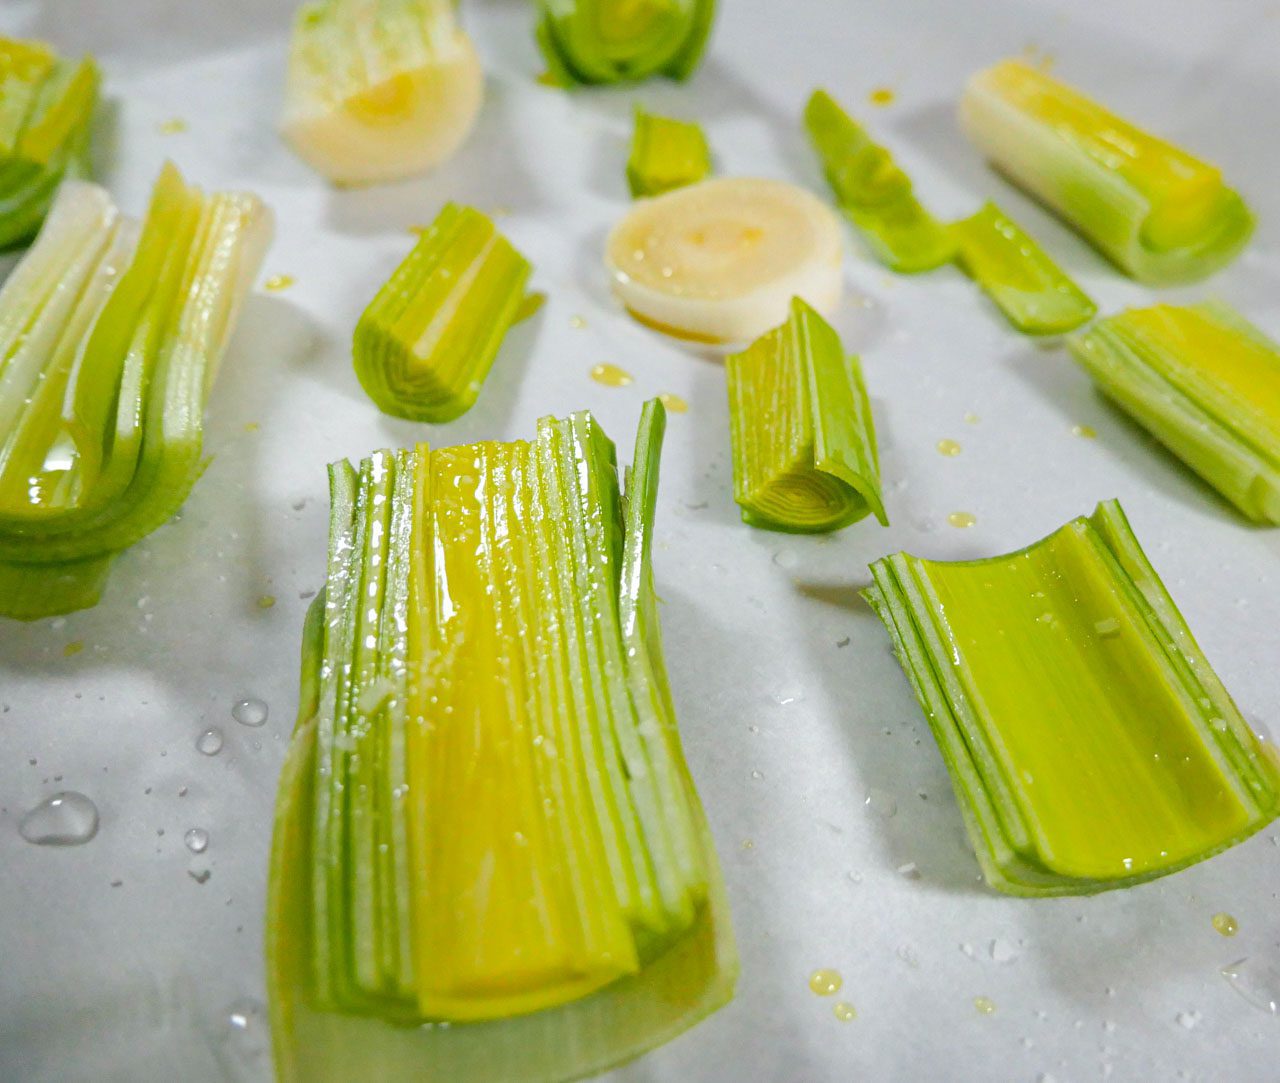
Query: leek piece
(1090, 744)
(874, 192)
(804, 443)
(1028, 287)
(47, 104)
(379, 89)
(1159, 214)
(428, 339)
(617, 41)
(110, 336)
(1206, 383)
(485, 818)
(665, 154)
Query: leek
(1090, 744)
(617, 41)
(1028, 287)
(428, 339)
(485, 818)
(110, 335)
(379, 89)
(804, 443)
(1206, 383)
(1159, 214)
(874, 192)
(666, 154)
(46, 112)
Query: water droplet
(249, 712)
(757, 775)
(845, 1011)
(881, 803)
(1085, 432)
(1188, 1020)
(674, 403)
(748, 844)
(787, 694)
(610, 375)
(786, 558)
(1226, 924)
(962, 519)
(825, 982)
(209, 743)
(907, 954)
(276, 283)
(1257, 980)
(1003, 952)
(1107, 628)
(197, 840)
(910, 870)
(882, 95)
(949, 448)
(65, 819)
(985, 1005)
(172, 126)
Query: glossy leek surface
(665, 153)
(1090, 743)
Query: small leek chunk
(1029, 288)
(665, 154)
(485, 816)
(1206, 383)
(1159, 214)
(804, 444)
(428, 339)
(110, 336)
(46, 113)
(621, 41)
(874, 192)
(1090, 744)
(379, 89)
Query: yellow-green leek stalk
(665, 154)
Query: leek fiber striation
(665, 154)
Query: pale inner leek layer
(1090, 743)
(874, 192)
(665, 154)
(489, 821)
(1030, 289)
(379, 89)
(1160, 214)
(428, 339)
(1206, 383)
(110, 336)
(804, 444)
(618, 41)
(719, 261)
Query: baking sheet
(792, 710)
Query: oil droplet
(266, 601)
(549, 79)
(73, 648)
(674, 403)
(209, 743)
(1226, 924)
(610, 375)
(971, 418)
(197, 840)
(845, 1011)
(985, 1005)
(65, 819)
(1258, 981)
(500, 211)
(882, 95)
(748, 844)
(276, 283)
(949, 448)
(881, 803)
(1188, 1020)
(577, 322)
(251, 426)
(1085, 432)
(172, 126)
(825, 982)
(962, 519)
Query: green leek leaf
(666, 154)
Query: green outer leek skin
(804, 444)
(665, 154)
(36, 591)
(874, 193)
(1009, 840)
(1033, 292)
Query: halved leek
(804, 443)
(490, 863)
(429, 337)
(873, 192)
(379, 89)
(1028, 287)
(110, 337)
(1089, 741)
(1206, 383)
(1159, 214)
(665, 154)
(618, 41)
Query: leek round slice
(719, 261)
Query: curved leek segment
(110, 335)
(666, 154)
(46, 112)
(1089, 742)
(1206, 383)
(618, 41)
(379, 89)
(1159, 214)
(804, 443)
(873, 192)
(485, 818)
(1028, 287)
(428, 339)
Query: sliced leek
(804, 443)
(485, 819)
(110, 337)
(1028, 287)
(619, 41)
(1159, 214)
(665, 154)
(428, 339)
(1090, 743)
(1206, 383)
(379, 89)
(719, 261)
(874, 192)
